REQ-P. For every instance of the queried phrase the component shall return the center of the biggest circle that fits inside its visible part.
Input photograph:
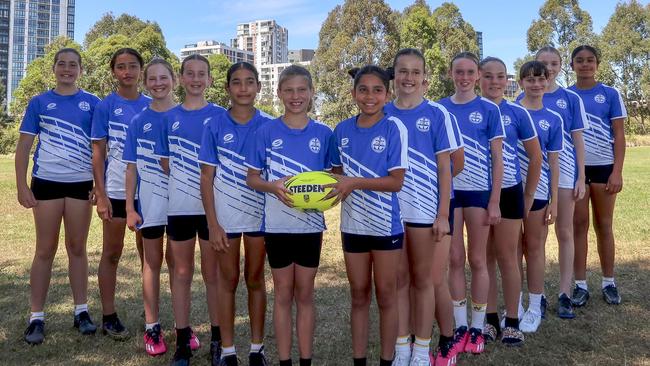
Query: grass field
(600, 335)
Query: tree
(127, 25)
(564, 25)
(219, 65)
(357, 33)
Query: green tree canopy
(125, 24)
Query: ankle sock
(493, 320)
(149, 326)
(535, 303)
(383, 362)
(80, 308)
(183, 341)
(285, 362)
(460, 312)
(216, 334)
(109, 318)
(582, 284)
(442, 340)
(512, 322)
(37, 315)
(608, 281)
(421, 347)
(305, 361)
(478, 315)
(256, 347)
(359, 361)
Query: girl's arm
(534, 153)
(25, 195)
(164, 164)
(551, 209)
(441, 224)
(493, 209)
(579, 145)
(345, 185)
(255, 181)
(218, 238)
(132, 217)
(457, 161)
(104, 209)
(615, 181)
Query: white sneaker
(417, 360)
(401, 359)
(530, 322)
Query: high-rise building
(5, 7)
(207, 48)
(32, 25)
(268, 41)
(301, 55)
(479, 42)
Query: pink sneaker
(194, 341)
(461, 337)
(154, 343)
(445, 356)
(476, 343)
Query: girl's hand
(579, 190)
(528, 204)
(493, 213)
(341, 189)
(550, 214)
(104, 208)
(281, 192)
(92, 197)
(218, 238)
(133, 220)
(440, 227)
(614, 183)
(26, 197)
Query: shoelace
(445, 348)
(154, 335)
(33, 325)
(473, 337)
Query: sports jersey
(180, 143)
(139, 148)
(431, 130)
(371, 152)
(111, 119)
(62, 123)
(479, 121)
(280, 151)
(602, 104)
(224, 145)
(548, 125)
(519, 127)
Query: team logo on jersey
(118, 112)
(506, 119)
(51, 106)
(561, 103)
(345, 141)
(146, 127)
(229, 137)
(599, 98)
(84, 106)
(476, 117)
(544, 125)
(205, 121)
(314, 145)
(378, 144)
(423, 124)
(277, 143)
(176, 125)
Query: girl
(605, 152)
(369, 154)
(572, 169)
(515, 202)
(286, 146)
(533, 79)
(178, 146)
(238, 209)
(60, 188)
(424, 202)
(145, 171)
(110, 122)
(476, 197)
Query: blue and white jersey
(224, 145)
(111, 120)
(603, 104)
(370, 153)
(62, 123)
(548, 125)
(431, 131)
(181, 143)
(519, 127)
(147, 127)
(479, 121)
(280, 151)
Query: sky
(504, 22)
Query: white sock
(403, 344)
(256, 347)
(37, 315)
(608, 281)
(582, 284)
(478, 315)
(78, 309)
(535, 303)
(460, 312)
(421, 347)
(227, 351)
(149, 326)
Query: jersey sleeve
(525, 126)
(129, 154)
(456, 128)
(579, 120)
(397, 145)
(99, 125)
(256, 155)
(444, 138)
(30, 124)
(617, 107)
(328, 135)
(556, 136)
(495, 125)
(334, 153)
(208, 151)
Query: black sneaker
(181, 359)
(230, 360)
(565, 307)
(85, 325)
(113, 328)
(611, 296)
(215, 353)
(543, 304)
(257, 358)
(579, 296)
(35, 332)
(512, 337)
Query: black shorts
(153, 232)
(119, 207)
(538, 204)
(422, 225)
(512, 202)
(44, 190)
(185, 227)
(598, 173)
(463, 199)
(283, 250)
(253, 234)
(354, 243)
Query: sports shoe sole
(116, 336)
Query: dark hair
(159, 61)
(239, 66)
(467, 55)
(66, 50)
(408, 52)
(383, 75)
(194, 56)
(126, 51)
(585, 47)
(549, 49)
(533, 68)
(295, 70)
(489, 59)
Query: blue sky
(503, 23)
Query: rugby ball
(307, 190)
